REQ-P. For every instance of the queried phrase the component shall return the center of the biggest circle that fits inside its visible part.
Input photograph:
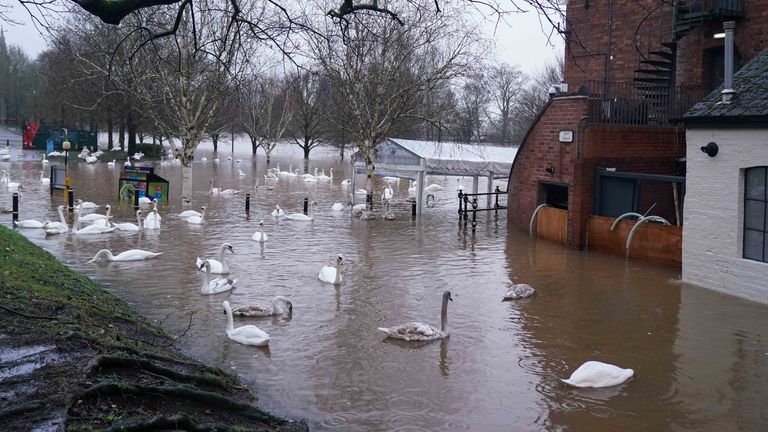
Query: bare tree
(266, 111)
(506, 84)
(535, 97)
(309, 97)
(471, 108)
(380, 67)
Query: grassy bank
(74, 355)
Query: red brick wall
(542, 149)
(649, 150)
(586, 45)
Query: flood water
(700, 358)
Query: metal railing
(465, 204)
(630, 103)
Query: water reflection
(700, 357)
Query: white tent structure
(416, 159)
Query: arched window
(756, 214)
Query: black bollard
(135, 200)
(306, 205)
(496, 204)
(15, 207)
(247, 203)
(461, 197)
(413, 209)
(70, 199)
(369, 201)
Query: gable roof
(750, 102)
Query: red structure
(29, 134)
(632, 69)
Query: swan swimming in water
(433, 188)
(44, 180)
(89, 230)
(417, 331)
(518, 291)
(217, 266)
(260, 236)
(346, 182)
(331, 275)
(598, 374)
(189, 213)
(217, 285)
(247, 334)
(302, 216)
(278, 212)
(129, 255)
(152, 221)
(197, 220)
(94, 217)
(30, 223)
(127, 226)
(85, 205)
(57, 227)
(262, 308)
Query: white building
(725, 232)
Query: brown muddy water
(700, 358)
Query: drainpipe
(728, 92)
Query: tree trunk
(121, 136)
(186, 185)
(341, 150)
(215, 139)
(306, 152)
(110, 131)
(131, 126)
(255, 146)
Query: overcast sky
(520, 41)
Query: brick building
(612, 143)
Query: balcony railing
(713, 8)
(626, 104)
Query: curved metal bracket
(533, 218)
(625, 215)
(642, 220)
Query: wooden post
(15, 209)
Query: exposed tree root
(107, 361)
(177, 422)
(210, 399)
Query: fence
(465, 204)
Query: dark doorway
(555, 195)
(617, 196)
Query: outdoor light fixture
(710, 149)
(550, 170)
(718, 36)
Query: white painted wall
(714, 206)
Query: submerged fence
(465, 203)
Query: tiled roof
(750, 101)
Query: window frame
(764, 200)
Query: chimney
(728, 92)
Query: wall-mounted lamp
(550, 170)
(718, 36)
(710, 149)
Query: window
(554, 195)
(756, 214)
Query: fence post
(461, 196)
(247, 203)
(135, 200)
(70, 199)
(466, 209)
(496, 204)
(369, 201)
(15, 209)
(413, 209)
(306, 205)
(474, 213)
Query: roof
(750, 102)
(445, 158)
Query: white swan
(89, 230)
(433, 188)
(152, 221)
(412, 187)
(346, 182)
(459, 186)
(260, 236)
(55, 154)
(215, 286)
(262, 308)
(361, 192)
(388, 193)
(240, 172)
(189, 213)
(216, 160)
(44, 161)
(204, 159)
(288, 173)
(323, 177)
(57, 227)
(247, 334)
(129, 255)
(144, 200)
(93, 217)
(212, 190)
(111, 164)
(229, 192)
(331, 275)
(518, 291)
(30, 223)
(217, 266)
(598, 374)
(85, 205)
(417, 331)
(43, 179)
(391, 179)
(310, 179)
(197, 220)
(127, 226)
(278, 212)
(359, 208)
(302, 216)
(338, 206)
